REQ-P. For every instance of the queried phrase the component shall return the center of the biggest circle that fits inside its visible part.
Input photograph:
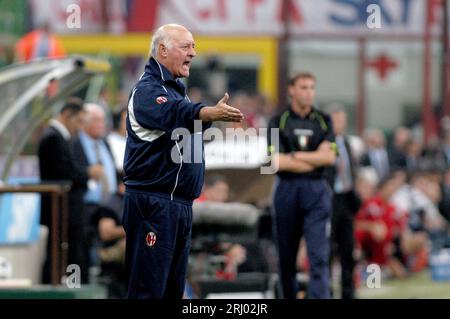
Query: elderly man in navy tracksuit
(161, 181)
(302, 197)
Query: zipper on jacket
(179, 169)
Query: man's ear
(163, 50)
(64, 116)
(290, 90)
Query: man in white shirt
(117, 139)
(416, 199)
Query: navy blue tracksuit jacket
(162, 180)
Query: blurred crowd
(402, 184)
(404, 187)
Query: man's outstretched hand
(221, 112)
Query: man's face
(219, 192)
(303, 91)
(180, 53)
(390, 188)
(447, 177)
(365, 188)
(339, 122)
(123, 124)
(74, 123)
(96, 128)
(378, 140)
(402, 136)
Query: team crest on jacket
(150, 239)
(161, 99)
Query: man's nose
(192, 53)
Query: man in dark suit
(397, 151)
(57, 164)
(377, 155)
(345, 203)
(90, 148)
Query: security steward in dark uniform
(302, 195)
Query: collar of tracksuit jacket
(158, 70)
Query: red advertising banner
(142, 15)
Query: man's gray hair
(334, 108)
(162, 36)
(90, 109)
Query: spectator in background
(425, 184)
(217, 76)
(420, 200)
(376, 155)
(39, 44)
(358, 147)
(117, 139)
(410, 243)
(446, 147)
(377, 227)
(253, 107)
(434, 157)
(57, 163)
(90, 148)
(107, 220)
(413, 155)
(215, 189)
(397, 151)
(196, 95)
(444, 204)
(366, 183)
(268, 108)
(105, 101)
(242, 101)
(410, 247)
(255, 117)
(345, 203)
